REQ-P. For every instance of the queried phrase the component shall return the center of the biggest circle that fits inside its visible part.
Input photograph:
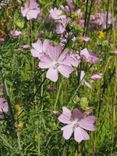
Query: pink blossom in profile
(115, 52)
(70, 4)
(65, 8)
(86, 38)
(81, 22)
(76, 123)
(96, 76)
(3, 105)
(2, 40)
(61, 25)
(60, 28)
(39, 48)
(101, 19)
(15, 33)
(56, 14)
(30, 10)
(89, 56)
(55, 60)
(25, 46)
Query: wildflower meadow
(58, 77)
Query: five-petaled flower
(77, 123)
(30, 10)
(56, 61)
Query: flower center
(55, 64)
(74, 123)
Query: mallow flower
(3, 107)
(56, 61)
(39, 48)
(30, 10)
(96, 76)
(15, 33)
(89, 56)
(76, 123)
(55, 14)
(101, 19)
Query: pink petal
(38, 46)
(54, 52)
(3, 105)
(46, 46)
(65, 70)
(80, 134)
(87, 123)
(35, 53)
(67, 131)
(77, 114)
(32, 14)
(52, 74)
(45, 62)
(66, 116)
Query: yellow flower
(101, 34)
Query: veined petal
(67, 131)
(80, 134)
(38, 46)
(45, 62)
(77, 114)
(65, 117)
(88, 123)
(52, 74)
(65, 70)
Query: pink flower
(89, 56)
(61, 25)
(115, 52)
(55, 14)
(60, 29)
(39, 48)
(25, 46)
(2, 40)
(77, 123)
(56, 62)
(86, 38)
(70, 4)
(3, 105)
(15, 33)
(96, 76)
(30, 10)
(101, 19)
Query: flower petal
(65, 70)
(52, 74)
(87, 123)
(45, 62)
(65, 117)
(67, 131)
(77, 114)
(38, 46)
(80, 134)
